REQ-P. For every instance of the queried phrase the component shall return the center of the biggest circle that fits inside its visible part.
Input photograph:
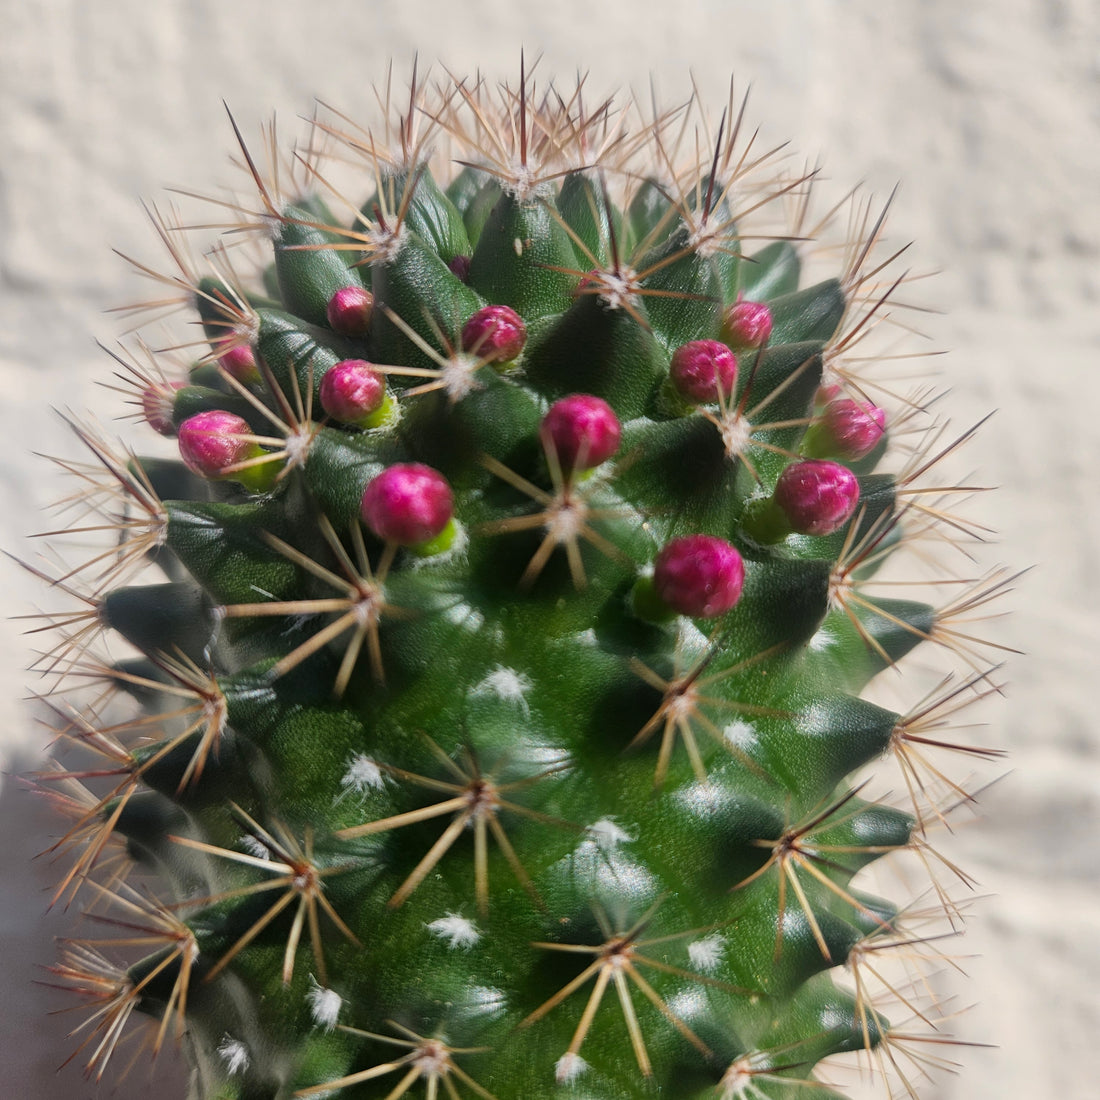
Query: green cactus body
(526, 803)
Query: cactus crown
(499, 702)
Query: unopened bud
(408, 503)
(496, 334)
(349, 311)
(157, 405)
(216, 444)
(353, 392)
(240, 362)
(581, 431)
(816, 496)
(699, 575)
(747, 325)
(703, 371)
(847, 429)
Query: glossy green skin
(676, 853)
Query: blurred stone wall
(989, 114)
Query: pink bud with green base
(239, 362)
(703, 371)
(411, 505)
(354, 392)
(700, 576)
(349, 311)
(747, 325)
(216, 444)
(496, 334)
(816, 496)
(847, 429)
(812, 497)
(581, 431)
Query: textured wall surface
(989, 114)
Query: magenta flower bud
(349, 311)
(460, 266)
(851, 429)
(408, 503)
(816, 496)
(703, 371)
(494, 333)
(240, 362)
(582, 431)
(747, 325)
(352, 391)
(157, 405)
(212, 442)
(699, 575)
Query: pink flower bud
(589, 280)
(349, 311)
(460, 266)
(157, 405)
(352, 391)
(214, 441)
(816, 496)
(240, 362)
(494, 333)
(582, 431)
(408, 503)
(747, 325)
(852, 429)
(703, 371)
(699, 575)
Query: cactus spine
(497, 723)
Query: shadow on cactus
(495, 724)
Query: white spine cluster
(457, 930)
(606, 835)
(234, 1054)
(706, 954)
(508, 685)
(362, 775)
(324, 1004)
(569, 1067)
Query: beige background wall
(988, 112)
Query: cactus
(495, 724)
